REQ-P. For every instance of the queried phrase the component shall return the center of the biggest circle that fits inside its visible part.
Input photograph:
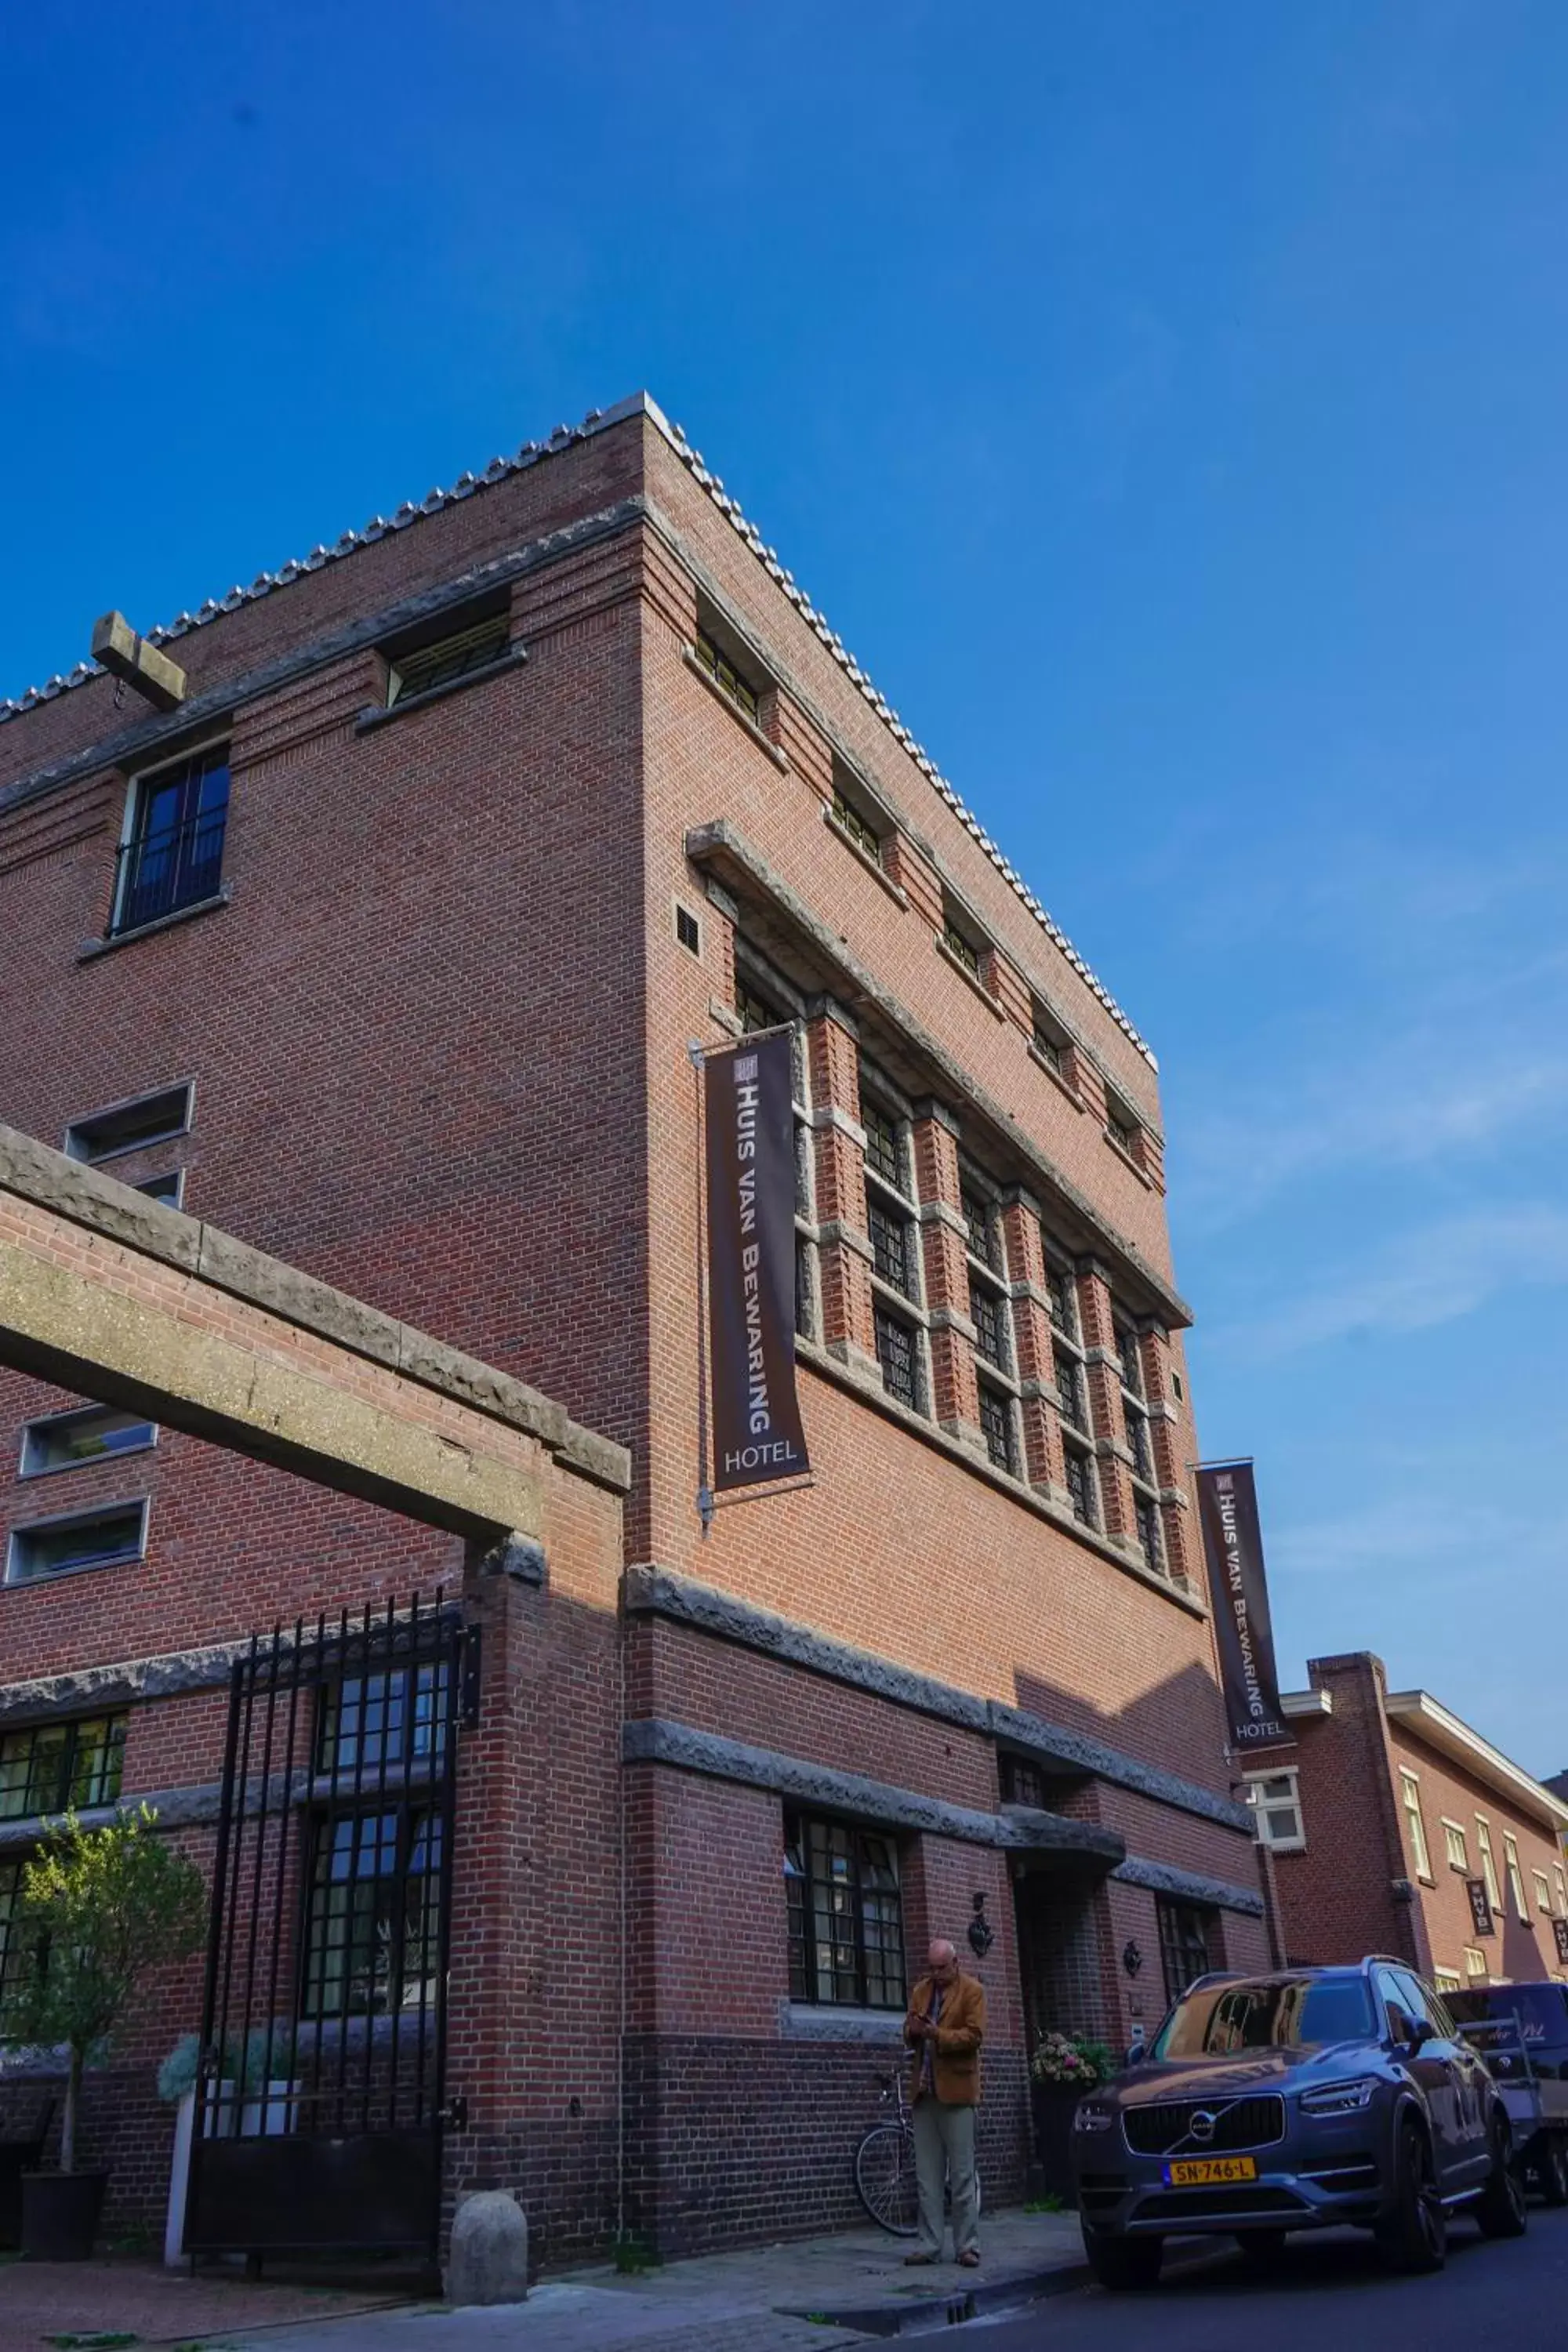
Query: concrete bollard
(489, 2258)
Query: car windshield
(1272, 2013)
(1539, 2008)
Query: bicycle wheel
(885, 2178)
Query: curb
(915, 2316)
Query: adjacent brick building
(1394, 1827)
(384, 950)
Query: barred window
(979, 1225)
(726, 676)
(960, 944)
(1023, 1783)
(373, 1922)
(865, 836)
(1079, 1472)
(1070, 1390)
(1185, 1944)
(372, 1721)
(1047, 1046)
(10, 1927)
(447, 660)
(884, 1145)
(986, 1314)
(896, 1354)
(996, 1426)
(1138, 1441)
(1122, 1128)
(50, 1768)
(890, 1246)
(846, 1915)
(755, 1012)
(804, 1293)
(1063, 1303)
(1132, 1367)
(1147, 1515)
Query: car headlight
(1090, 2118)
(1340, 2098)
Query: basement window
(426, 665)
(64, 1441)
(103, 1539)
(128, 1126)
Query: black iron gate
(321, 2095)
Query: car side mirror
(1422, 2031)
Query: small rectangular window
(687, 932)
(755, 1012)
(52, 1767)
(372, 1920)
(444, 661)
(130, 1126)
(726, 676)
(861, 831)
(1186, 1943)
(1411, 1791)
(845, 1909)
(165, 1189)
(986, 1314)
(103, 1538)
(890, 1246)
(1276, 1801)
(1079, 1471)
(63, 1441)
(996, 1426)
(1561, 1890)
(1063, 1303)
(1543, 1890)
(960, 943)
(172, 856)
(1475, 1964)
(1146, 1516)
(1137, 1426)
(1048, 1042)
(1070, 1390)
(1021, 1782)
(884, 1145)
(1457, 1850)
(1122, 1128)
(1446, 1982)
(895, 1355)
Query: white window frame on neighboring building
(1515, 1876)
(1543, 1892)
(1454, 1838)
(1562, 1886)
(1488, 1862)
(1287, 1800)
(1475, 1964)
(1410, 1797)
(1448, 1981)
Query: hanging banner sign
(757, 1433)
(1560, 1933)
(1232, 1545)
(1481, 1905)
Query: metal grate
(1166, 2129)
(846, 815)
(449, 658)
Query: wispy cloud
(1424, 1276)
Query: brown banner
(1233, 1546)
(1481, 1905)
(757, 1433)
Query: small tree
(99, 1909)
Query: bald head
(942, 1960)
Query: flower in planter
(1073, 2059)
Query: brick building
(384, 950)
(1384, 1817)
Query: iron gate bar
(348, 1887)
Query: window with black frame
(11, 1929)
(173, 853)
(54, 1768)
(1185, 1933)
(845, 1914)
(894, 1233)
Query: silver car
(1301, 2100)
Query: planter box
(1051, 2106)
(59, 2214)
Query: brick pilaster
(955, 1396)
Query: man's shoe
(969, 2259)
(922, 2262)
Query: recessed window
(1079, 1471)
(1562, 1889)
(49, 1547)
(129, 1126)
(52, 1767)
(442, 661)
(1543, 1890)
(1176, 1388)
(960, 941)
(373, 1917)
(1446, 1982)
(851, 819)
(1122, 1125)
(1050, 1043)
(687, 932)
(1455, 1847)
(1276, 1801)
(1515, 1875)
(754, 1010)
(1069, 1390)
(884, 1144)
(63, 1441)
(1021, 1782)
(996, 1426)
(1059, 1290)
(1186, 1939)
(1475, 1964)
(165, 1189)
(890, 1253)
(1410, 1792)
(172, 856)
(1146, 1520)
(727, 677)
(845, 1908)
(1488, 1860)
(895, 1355)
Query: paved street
(1324, 2295)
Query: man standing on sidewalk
(944, 2028)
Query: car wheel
(1123, 2263)
(1260, 2248)
(1413, 2235)
(1554, 2172)
(1500, 2207)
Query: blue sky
(1164, 402)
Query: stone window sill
(961, 969)
(382, 715)
(810, 2021)
(105, 946)
(877, 871)
(741, 718)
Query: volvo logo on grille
(1200, 2126)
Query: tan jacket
(955, 2056)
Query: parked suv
(1300, 2100)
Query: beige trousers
(944, 2156)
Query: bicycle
(885, 2164)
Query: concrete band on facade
(718, 846)
(655, 1591)
(1020, 1829)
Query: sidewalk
(817, 2292)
